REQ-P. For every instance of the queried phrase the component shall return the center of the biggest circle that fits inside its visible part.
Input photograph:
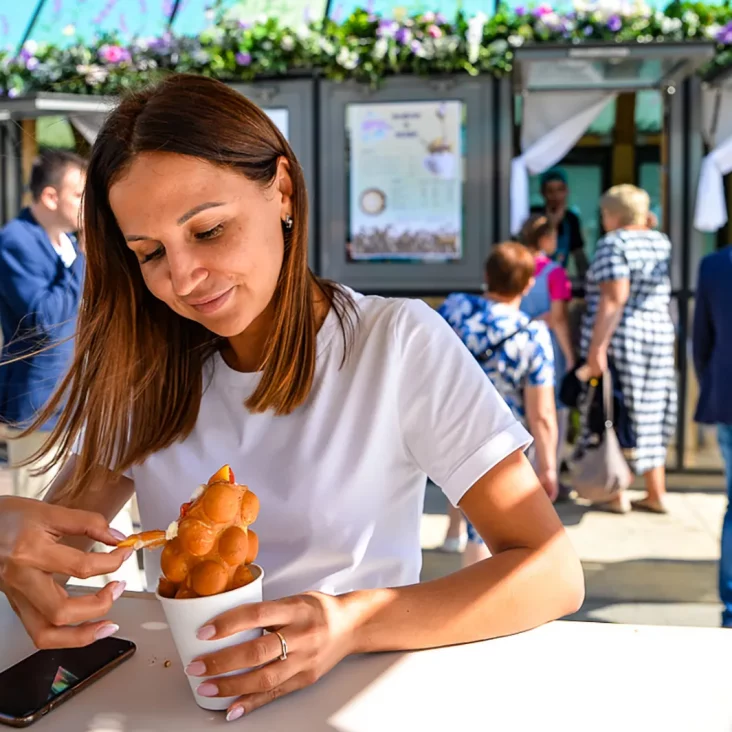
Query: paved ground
(639, 568)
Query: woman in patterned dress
(627, 323)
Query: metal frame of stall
(677, 64)
(423, 278)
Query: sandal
(619, 505)
(646, 506)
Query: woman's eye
(153, 255)
(211, 233)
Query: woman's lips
(216, 303)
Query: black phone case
(19, 722)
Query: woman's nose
(186, 272)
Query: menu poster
(406, 181)
(281, 117)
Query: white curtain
(711, 206)
(552, 122)
(88, 125)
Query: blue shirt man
(41, 273)
(713, 364)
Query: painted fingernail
(117, 534)
(207, 689)
(106, 630)
(196, 668)
(234, 714)
(206, 633)
(119, 588)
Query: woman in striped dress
(627, 322)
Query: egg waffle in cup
(207, 566)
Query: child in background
(548, 301)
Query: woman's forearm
(560, 325)
(609, 314)
(510, 592)
(543, 428)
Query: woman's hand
(597, 362)
(31, 553)
(318, 630)
(550, 483)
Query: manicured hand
(317, 629)
(30, 555)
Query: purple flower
(113, 54)
(724, 36)
(338, 13)
(161, 45)
(440, 19)
(243, 58)
(520, 11)
(614, 23)
(12, 93)
(415, 47)
(370, 7)
(588, 30)
(403, 36)
(244, 25)
(32, 63)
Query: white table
(569, 677)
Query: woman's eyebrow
(197, 209)
(182, 220)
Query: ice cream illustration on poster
(406, 180)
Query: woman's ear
(284, 186)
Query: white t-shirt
(341, 480)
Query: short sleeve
(610, 262)
(560, 288)
(541, 358)
(454, 423)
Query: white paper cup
(185, 617)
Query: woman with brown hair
(204, 339)
(548, 301)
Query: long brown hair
(136, 381)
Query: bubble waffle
(209, 548)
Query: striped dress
(642, 347)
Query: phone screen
(48, 677)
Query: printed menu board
(405, 181)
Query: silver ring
(283, 643)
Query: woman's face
(209, 241)
(548, 244)
(610, 222)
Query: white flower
(670, 25)
(690, 18)
(201, 57)
(581, 7)
(711, 31)
(69, 30)
(326, 46)
(381, 47)
(209, 15)
(515, 41)
(93, 73)
(498, 46)
(303, 32)
(347, 59)
(475, 28)
(261, 19)
(288, 43)
(31, 47)
(658, 16)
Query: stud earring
(288, 222)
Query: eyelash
(201, 236)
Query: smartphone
(39, 683)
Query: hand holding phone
(42, 681)
(31, 553)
